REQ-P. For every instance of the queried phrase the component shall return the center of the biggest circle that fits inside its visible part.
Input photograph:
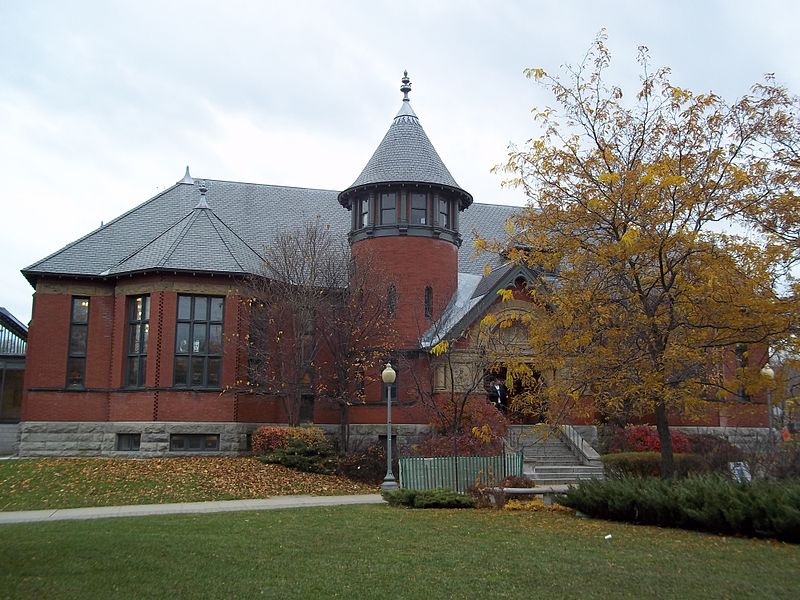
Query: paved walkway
(183, 508)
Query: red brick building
(131, 339)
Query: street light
(388, 375)
(768, 373)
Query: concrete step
(553, 461)
(559, 474)
(578, 469)
(562, 453)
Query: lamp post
(388, 375)
(768, 373)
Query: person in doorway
(498, 395)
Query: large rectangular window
(138, 334)
(78, 341)
(419, 209)
(198, 341)
(389, 208)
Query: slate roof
(406, 155)
(473, 297)
(169, 233)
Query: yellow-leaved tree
(631, 202)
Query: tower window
(419, 209)
(363, 212)
(388, 208)
(444, 213)
(429, 302)
(391, 300)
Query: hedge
(648, 464)
(709, 503)
(436, 498)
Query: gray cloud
(103, 103)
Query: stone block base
(61, 438)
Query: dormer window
(444, 212)
(388, 208)
(419, 209)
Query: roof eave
(465, 198)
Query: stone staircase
(549, 458)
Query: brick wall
(412, 264)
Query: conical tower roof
(406, 156)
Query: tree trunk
(662, 425)
(344, 427)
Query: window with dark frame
(391, 300)
(428, 302)
(419, 209)
(194, 442)
(388, 208)
(138, 334)
(444, 213)
(307, 408)
(363, 212)
(198, 341)
(78, 341)
(256, 345)
(128, 442)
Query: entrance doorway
(522, 402)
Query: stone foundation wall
(8, 438)
(60, 438)
(746, 438)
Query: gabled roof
(168, 233)
(472, 299)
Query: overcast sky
(103, 104)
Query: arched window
(428, 302)
(391, 300)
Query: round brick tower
(405, 209)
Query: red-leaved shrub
(269, 439)
(482, 430)
(644, 438)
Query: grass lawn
(32, 484)
(381, 552)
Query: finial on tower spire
(406, 87)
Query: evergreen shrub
(310, 453)
(436, 498)
(710, 503)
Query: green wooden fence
(457, 473)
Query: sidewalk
(183, 508)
